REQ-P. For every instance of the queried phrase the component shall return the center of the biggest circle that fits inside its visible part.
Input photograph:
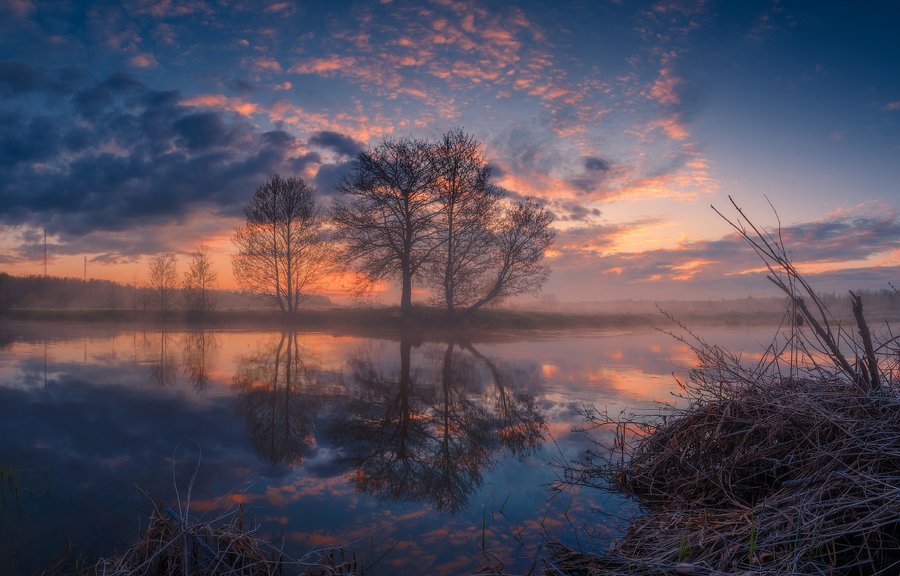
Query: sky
(129, 129)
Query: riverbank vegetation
(784, 464)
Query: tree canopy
(282, 254)
(425, 212)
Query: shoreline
(388, 318)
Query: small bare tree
(114, 296)
(517, 267)
(199, 285)
(163, 281)
(468, 208)
(282, 253)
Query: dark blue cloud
(328, 176)
(596, 164)
(16, 78)
(241, 87)
(203, 130)
(115, 154)
(336, 142)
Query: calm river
(410, 452)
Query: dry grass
(180, 544)
(789, 465)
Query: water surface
(413, 451)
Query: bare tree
(426, 212)
(199, 285)
(519, 246)
(282, 253)
(163, 280)
(468, 208)
(386, 218)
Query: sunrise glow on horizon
(139, 128)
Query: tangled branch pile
(788, 466)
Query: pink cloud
(663, 90)
(20, 8)
(327, 65)
(143, 60)
(266, 63)
(223, 103)
(893, 106)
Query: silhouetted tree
(386, 217)
(199, 284)
(426, 212)
(282, 254)
(516, 261)
(163, 280)
(468, 210)
(113, 296)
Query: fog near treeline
(875, 301)
(53, 292)
(58, 293)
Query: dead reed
(788, 465)
(176, 543)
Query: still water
(409, 452)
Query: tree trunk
(406, 295)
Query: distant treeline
(886, 300)
(54, 292)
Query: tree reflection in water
(164, 367)
(278, 398)
(198, 356)
(408, 441)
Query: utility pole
(45, 252)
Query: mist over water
(324, 438)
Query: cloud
(16, 78)
(832, 253)
(595, 164)
(337, 143)
(241, 86)
(119, 156)
(893, 106)
(266, 63)
(143, 60)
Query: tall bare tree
(468, 209)
(425, 212)
(282, 254)
(386, 217)
(163, 281)
(199, 285)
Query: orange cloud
(663, 90)
(266, 63)
(223, 103)
(332, 63)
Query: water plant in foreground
(177, 543)
(785, 465)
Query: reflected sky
(326, 438)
